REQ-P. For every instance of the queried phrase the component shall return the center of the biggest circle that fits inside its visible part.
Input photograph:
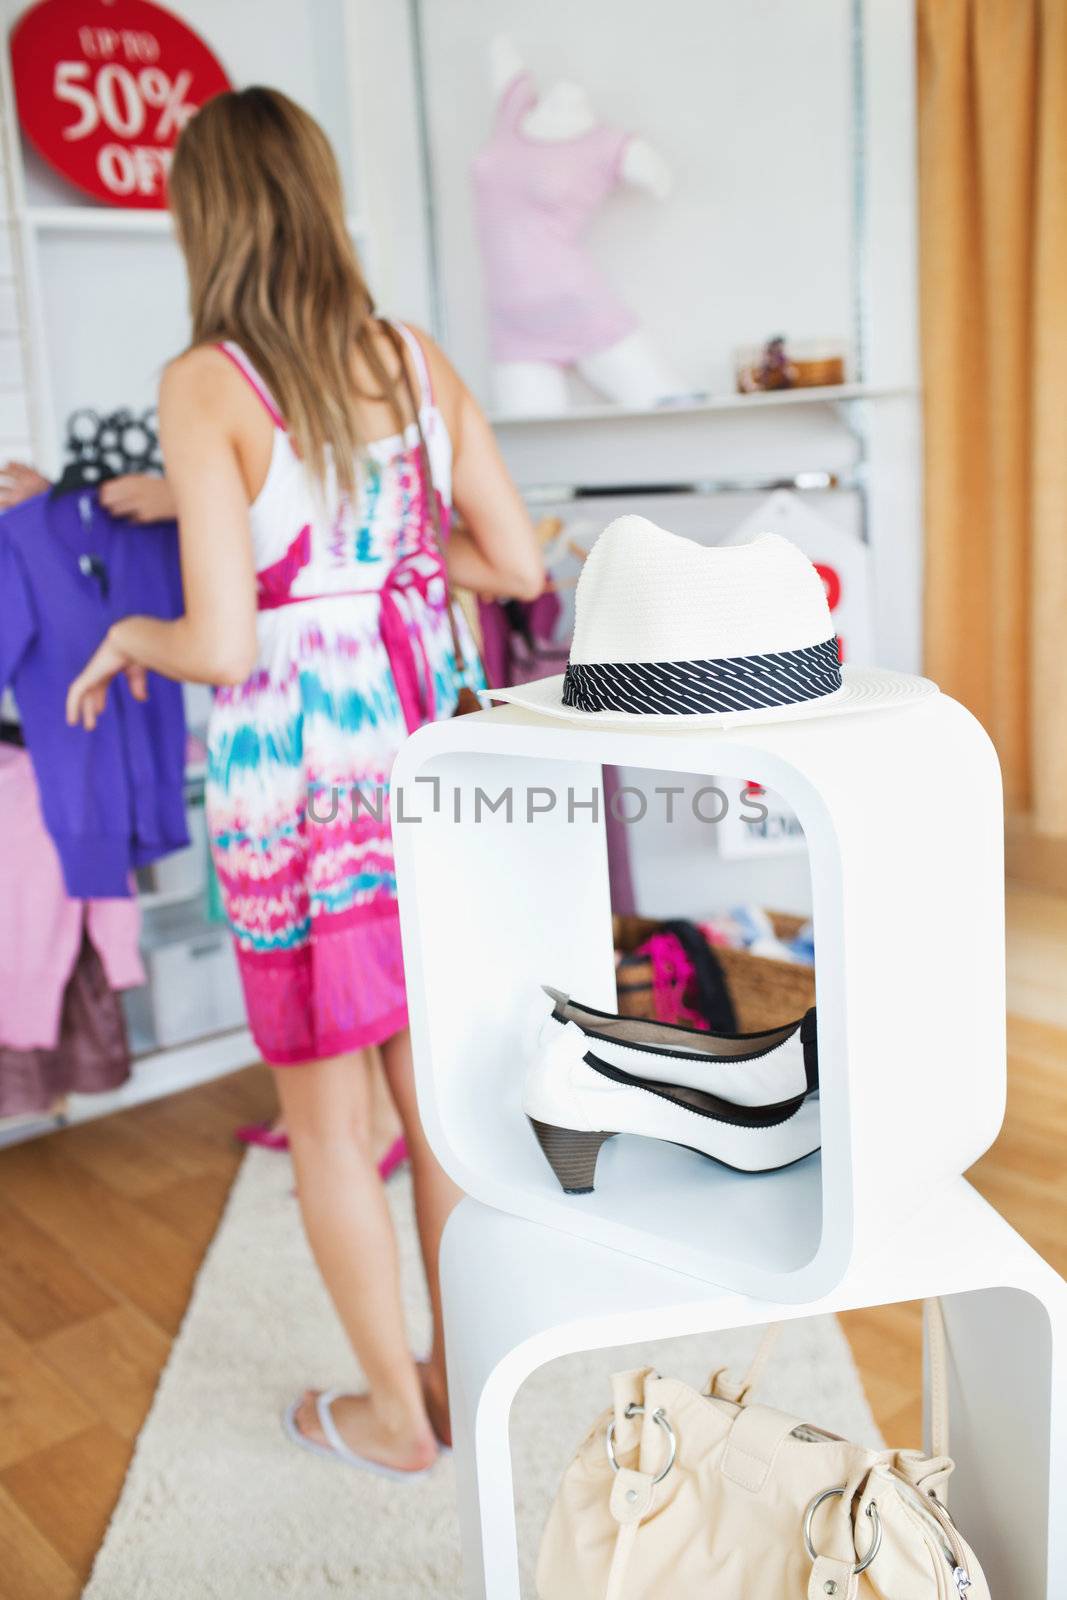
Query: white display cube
(518, 1295)
(902, 814)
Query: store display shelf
(158, 1073)
(830, 395)
(910, 1009)
(116, 219)
(153, 900)
(96, 219)
(657, 1200)
(518, 1295)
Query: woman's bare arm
(496, 552)
(214, 641)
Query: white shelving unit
(111, 219)
(518, 1295)
(912, 1078)
(832, 394)
(898, 995)
(94, 219)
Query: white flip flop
(336, 1449)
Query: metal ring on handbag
(660, 1416)
(872, 1512)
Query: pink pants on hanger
(41, 926)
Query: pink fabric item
(421, 572)
(548, 300)
(393, 1159)
(41, 928)
(274, 582)
(91, 1056)
(262, 1135)
(247, 370)
(304, 1003)
(672, 972)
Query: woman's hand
(87, 695)
(139, 497)
(19, 482)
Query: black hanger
(102, 447)
(81, 475)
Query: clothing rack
(799, 482)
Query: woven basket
(765, 993)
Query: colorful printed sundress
(354, 651)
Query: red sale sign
(104, 88)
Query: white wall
(385, 145)
(16, 424)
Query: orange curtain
(993, 229)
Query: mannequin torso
(565, 112)
(532, 208)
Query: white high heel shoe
(576, 1099)
(748, 1069)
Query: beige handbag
(675, 1493)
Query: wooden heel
(571, 1154)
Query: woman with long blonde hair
(316, 452)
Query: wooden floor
(102, 1230)
(103, 1227)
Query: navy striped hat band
(688, 688)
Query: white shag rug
(219, 1505)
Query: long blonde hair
(256, 197)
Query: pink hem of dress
(341, 1044)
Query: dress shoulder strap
(236, 355)
(422, 367)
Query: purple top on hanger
(112, 799)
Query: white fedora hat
(667, 631)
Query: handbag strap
(719, 1383)
(752, 1445)
(829, 1576)
(937, 1359)
(428, 485)
(937, 1370)
(631, 1501)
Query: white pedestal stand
(518, 1294)
(902, 814)
(503, 877)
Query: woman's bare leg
(435, 1198)
(385, 1124)
(326, 1106)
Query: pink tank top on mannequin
(548, 300)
